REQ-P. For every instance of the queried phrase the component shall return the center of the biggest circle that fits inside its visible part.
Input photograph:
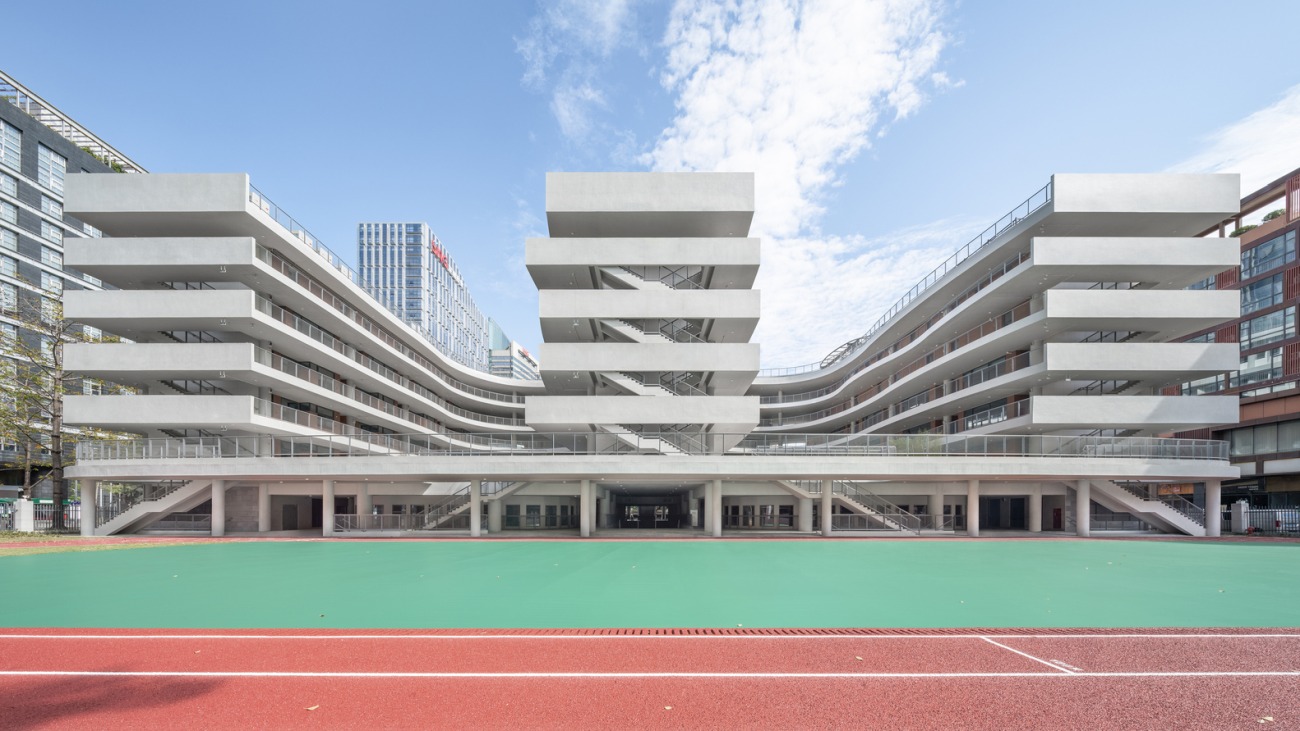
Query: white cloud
(563, 50)
(820, 292)
(1262, 147)
(792, 91)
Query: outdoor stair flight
(1161, 513)
(629, 383)
(862, 502)
(177, 499)
(632, 333)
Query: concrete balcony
(596, 205)
(729, 414)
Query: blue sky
(884, 134)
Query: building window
(91, 231)
(8, 332)
(1267, 329)
(51, 167)
(1261, 294)
(8, 298)
(11, 146)
(51, 257)
(51, 232)
(8, 266)
(1207, 283)
(51, 283)
(8, 240)
(1260, 367)
(8, 213)
(1210, 384)
(1269, 255)
(8, 185)
(51, 207)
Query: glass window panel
(1261, 294)
(1242, 442)
(11, 146)
(51, 167)
(1266, 439)
(1288, 436)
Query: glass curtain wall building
(406, 268)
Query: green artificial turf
(566, 584)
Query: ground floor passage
(336, 507)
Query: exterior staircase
(631, 384)
(1171, 513)
(174, 498)
(625, 330)
(638, 443)
(882, 514)
(624, 278)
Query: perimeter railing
(1031, 204)
(364, 444)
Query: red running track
(95, 679)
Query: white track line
(847, 676)
(1049, 664)
(33, 636)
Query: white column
(494, 516)
(936, 508)
(218, 507)
(584, 508)
(475, 508)
(828, 497)
(1213, 512)
(1036, 510)
(973, 508)
(805, 515)
(24, 515)
(327, 508)
(595, 505)
(263, 507)
(365, 506)
(715, 508)
(89, 494)
(1082, 509)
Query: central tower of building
(647, 305)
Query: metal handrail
(902, 519)
(1034, 202)
(755, 445)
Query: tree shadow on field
(100, 701)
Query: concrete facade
(1018, 387)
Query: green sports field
(566, 584)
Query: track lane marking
(864, 676)
(1048, 663)
(634, 637)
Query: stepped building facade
(1022, 385)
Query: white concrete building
(1019, 386)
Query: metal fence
(1271, 521)
(51, 518)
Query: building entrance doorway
(1003, 513)
(647, 510)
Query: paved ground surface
(78, 679)
(568, 584)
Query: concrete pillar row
(973, 508)
(218, 508)
(1082, 508)
(715, 508)
(1036, 511)
(263, 507)
(584, 508)
(805, 515)
(935, 508)
(327, 508)
(828, 504)
(475, 508)
(1213, 512)
(89, 497)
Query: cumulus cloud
(793, 91)
(563, 50)
(1263, 146)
